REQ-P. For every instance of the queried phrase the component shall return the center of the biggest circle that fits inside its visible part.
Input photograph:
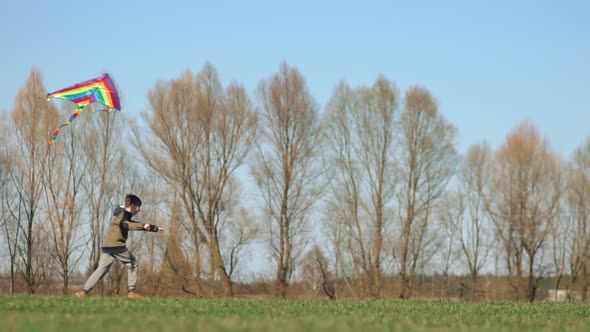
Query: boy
(114, 246)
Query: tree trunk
(532, 287)
(226, 282)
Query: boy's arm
(132, 225)
(140, 226)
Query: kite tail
(65, 124)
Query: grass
(54, 313)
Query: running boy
(114, 246)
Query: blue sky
(490, 64)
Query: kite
(96, 90)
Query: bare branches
(427, 161)
(63, 188)
(202, 133)
(359, 130)
(578, 208)
(33, 119)
(287, 170)
(524, 203)
(467, 210)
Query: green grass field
(52, 313)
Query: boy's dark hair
(132, 199)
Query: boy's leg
(129, 260)
(104, 265)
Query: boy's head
(132, 203)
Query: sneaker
(81, 293)
(133, 295)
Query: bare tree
(47, 268)
(562, 232)
(34, 118)
(471, 223)
(448, 245)
(359, 126)
(66, 168)
(176, 265)
(343, 202)
(287, 169)
(524, 202)
(242, 230)
(578, 207)
(376, 110)
(202, 133)
(427, 161)
(9, 208)
(316, 274)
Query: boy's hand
(152, 228)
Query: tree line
(369, 188)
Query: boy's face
(134, 209)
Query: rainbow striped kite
(97, 90)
